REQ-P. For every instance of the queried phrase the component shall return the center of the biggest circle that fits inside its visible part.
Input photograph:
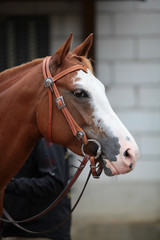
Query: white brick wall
(62, 25)
(125, 95)
(150, 146)
(149, 48)
(137, 72)
(137, 23)
(113, 48)
(128, 62)
(149, 97)
(140, 121)
(65, 18)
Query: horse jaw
(120, 151)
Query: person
(41, 179)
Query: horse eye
(80, 93)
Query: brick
(57, 25)
(137, 23)
(150, 146)
(103, 73)
(112, 49)
(57, 41)
(65, 24)
(102, 24)
(149, 5)
(74, 24)
(122, 6)
(115, 6)
(60, 30)
(140, 121)
(137, 73)
(55, 44)
(149, 48)
(149, 97)
(121, 97)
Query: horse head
(85, 98)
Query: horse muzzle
(125, 163)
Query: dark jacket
(35, 187)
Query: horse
(25, 115)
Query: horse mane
(21, 67)
(10, 76)
(25, 66)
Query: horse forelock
(88, 63)
(84, 60)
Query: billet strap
(75, 128)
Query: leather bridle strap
(58, 225)
(95, 173)
(50, 83)
(59, 198)
(95, 170)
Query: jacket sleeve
(43, 183)
(35, 187)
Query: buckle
(61, 104)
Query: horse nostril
(128, 157)
(126, 154)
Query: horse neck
(18, 132)
(10, 76)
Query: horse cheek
(42, 119)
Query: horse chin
(111, 169)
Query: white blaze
(116, 139)
(98, 101)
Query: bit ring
(99, 151)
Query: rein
(96, 171)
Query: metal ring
(98, 150)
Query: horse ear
(62, 52)
(83, 49)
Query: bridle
(95, 170)
(50, 83)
